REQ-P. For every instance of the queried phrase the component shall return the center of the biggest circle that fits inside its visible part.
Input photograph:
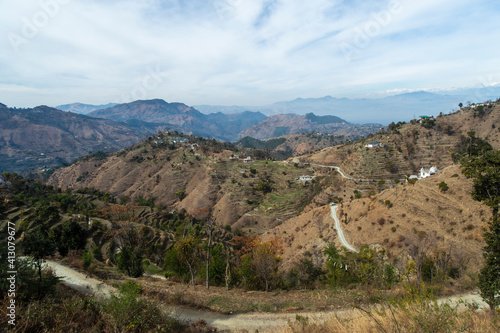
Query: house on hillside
(374, 144)
(422, 118)
(424, 173)
(305, 178)
(248, 159)
(179, 140)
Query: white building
(374, 144)
(248, 159)
(424, 173)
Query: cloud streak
(241, 51)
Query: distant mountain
(44, 136)
(402, 107)
(180, 116)
(286, 124)
(83, 108)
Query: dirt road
(340, 232)
(80, 281)
(263, 322)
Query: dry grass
(417, 317)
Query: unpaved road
(80, 281)
(340, 232)
(263, 322)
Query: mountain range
(401, 107)
(182, 117)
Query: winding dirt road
(340, 232)
(263, 322)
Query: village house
(424, 173)
(179, 140)
(374, 144)
(248, 159)
(305, 178)
(422, 118)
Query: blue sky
(243, 52)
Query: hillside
(296, 144)
(200, 176)
(286, 124)
(43, 137)
(266, 197)
(182, 117)
(397, 219)
(409, 147)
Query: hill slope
(44, 136)
(409, 147)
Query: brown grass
(417, 317)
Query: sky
(242, 52)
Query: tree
(128, 240)
(188, 251)
(485, 170)
(210, 229)
(180, 194)
(70, 236)
(39, 246)
(266, 259)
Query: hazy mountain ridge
(83, 108)
(186, 118)
(401, 107)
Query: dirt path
(251, 322)
(263, 322)
(80, 281)
(340, 232)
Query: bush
(443, 187)
(87, 259)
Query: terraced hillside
(409, 147)
(396, 221)
(204, 176)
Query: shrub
(87, 259)
(443, 187)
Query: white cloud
(242, 51)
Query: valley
(327, 221)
